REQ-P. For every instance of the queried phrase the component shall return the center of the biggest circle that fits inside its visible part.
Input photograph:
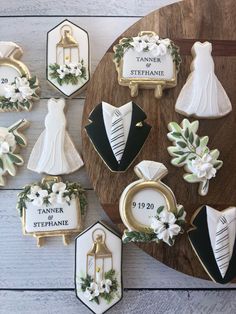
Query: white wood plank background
(32, 271)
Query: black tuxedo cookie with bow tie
(213, 240)
(118, 133)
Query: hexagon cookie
(68, 67)
(98, 278)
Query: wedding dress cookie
(54, 152)
(203, 95)
(213, 240)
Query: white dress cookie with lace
(203, 95)
(54, 152)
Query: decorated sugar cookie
(98, 269)
(54, 152)
(11, 140)
(17, 88)
(68, 59)
(147, 61)
(148, 207)
(52, 208)
(118, 133)
(191, 152)
(213, 240)
(203, 96)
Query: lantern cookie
(51, 208)
(191, 152)
(148, 207)
(118, 133)
(68, 58)
(10, 142)
(17, 88)
(54, 152)
(147, 61)
(213, 240)
(98, 277)
(203, 96)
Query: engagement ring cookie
(18, 89)
(148, 207)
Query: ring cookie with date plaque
(18, 89)
(148, 207)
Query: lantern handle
(104, 233)
(66, 25)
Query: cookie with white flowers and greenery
(148, 207)
(147, 61)
(52, 208)
(191, 152)
(68, 58)
(18, 88)
(98, 282)
(11, 140)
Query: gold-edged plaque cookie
(52, 208)
(147, 62)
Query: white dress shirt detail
(125, 110)
(213, 217)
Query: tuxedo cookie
(118, 133)
(213, 240)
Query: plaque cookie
(98, 269)
(147, 61)
(68, 59)
(52, 208)
(18, 89)
(148, 207)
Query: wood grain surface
(191, 19)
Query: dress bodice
(55, 118)
(203, 60)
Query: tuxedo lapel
(231, 271)
(200, 240)
(137, 135)
(97, 133)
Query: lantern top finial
(67, 40)
(99, 248)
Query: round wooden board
(212, 20)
